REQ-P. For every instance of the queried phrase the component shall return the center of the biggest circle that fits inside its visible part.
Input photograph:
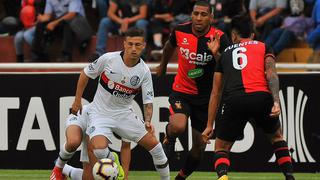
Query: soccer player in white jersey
(122, 75)
(76, 126)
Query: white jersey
(118, 83)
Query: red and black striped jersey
(195, 59)
(243, 67)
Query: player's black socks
(221, 163)
(283, 158)
(193, 159)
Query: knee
(105, 22)
(177, 129)
(73, 143)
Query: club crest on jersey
(134, 80)
(185, 41)
(178, 105)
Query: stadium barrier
(34, 106)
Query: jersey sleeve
(147, 88)
(224, 42)
(172, 38)
(94, 69)
(269, 52)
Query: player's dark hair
(243, 25)
(133, 32)
(204, 3)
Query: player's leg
(271, 127)
(178, 119)
(194, 156)
(100, 134)
(160, 161)
(199, 116)
(229, 127)
(67, 150)
(133, 129)
(221, 158)
(281, 151)
(125, 155)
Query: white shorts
(81, 120)
(125, 124)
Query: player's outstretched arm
(273, 83)
(168, 50)
(82, 83)
(213, 106)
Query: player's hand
(51, 26)
(275, 111)
(149, 127)
(214, 43)
(207, 134)
(124, 25)
(76, 106)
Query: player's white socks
(64, 156)
(160, 162)
(103, 153)
(72, 172)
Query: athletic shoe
(290, 177)
(168, 144)
(56, 174)
(120, 169)
(224, 177)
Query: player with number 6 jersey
(247, 74)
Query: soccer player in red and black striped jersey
(250, 90)
(192, 84)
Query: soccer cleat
(224, 177)
(290, 177)
(120, 169)
(56, 174)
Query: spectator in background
(224, 11)
(294, 27)
(102, 6)
(166, 14)
(29, 9)
(121, 15)
(57, 15)
(314, 36)
(9, 13)
(266, 15)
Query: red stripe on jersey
(284, 160)
(119, 86)
(187, 50)
(171, 110)
(221, 161)
(253, 74)
(282, 148)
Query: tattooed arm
(148, 110)
(273, 83)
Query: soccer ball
(105, 169)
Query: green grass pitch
(148, 175)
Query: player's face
(134, 46)
(201, 18)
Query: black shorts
(237, 111)
(192, 106)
